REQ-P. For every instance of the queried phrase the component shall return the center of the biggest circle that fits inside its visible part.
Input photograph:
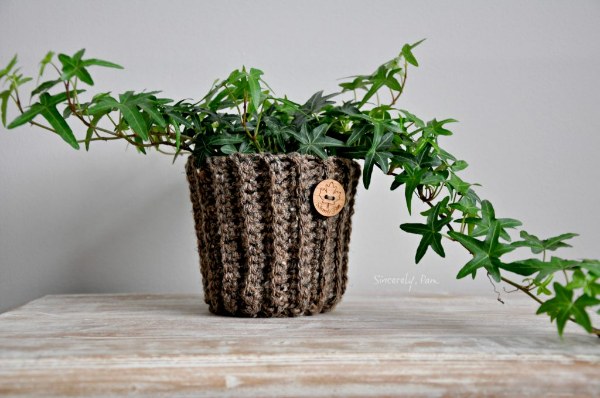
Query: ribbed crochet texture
(264, 249)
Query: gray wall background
(522, 77)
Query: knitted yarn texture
(264, 249)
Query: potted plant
(272, 183)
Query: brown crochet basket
(264, 249)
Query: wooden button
(329, 197)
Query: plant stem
(521, 288)
(404, 76)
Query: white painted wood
(169, 345)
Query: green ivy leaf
(433, 179)
(228, 149)
(446, 156)
(134, 119)
(73, 67)
(585, 281)
(139, 147)
(407, 52)
(47, 109)
(51, 114)
(243, 148)
(131, 106)
(359, 82)
(436, 128)
(459, 165)
(26, 116)
(555, 264)
(358, 132)
(431, 236)
(408, 55)
(544, 268)
(100, 62)
(177, 117)
(412, 118)
(8, 67)
(44, 62)
(466, 205)
(177, 130)
(538, 245)
(486, 254)
(377, 80)
(17, 80)
(153, 112)
(315, 142)
(562, 307)
(76, 66)
(524, 267)
(277, 130)
(377, 153)
(488, 216)
(426, 157)
(254, 86)
(592, 266)
(411, 178)
(459, 185)
(315, 104)
(4, 96)
(45, 86)
(226, 139)
(542, 286)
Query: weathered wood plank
(169, 345)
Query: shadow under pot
(273, 231)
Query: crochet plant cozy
(264, 250)
(272, 183)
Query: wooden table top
(169, 345)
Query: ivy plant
(240, 113)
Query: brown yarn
(264, 250)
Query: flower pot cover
(264, 248)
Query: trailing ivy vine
(362, 121)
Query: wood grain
(171, 346)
